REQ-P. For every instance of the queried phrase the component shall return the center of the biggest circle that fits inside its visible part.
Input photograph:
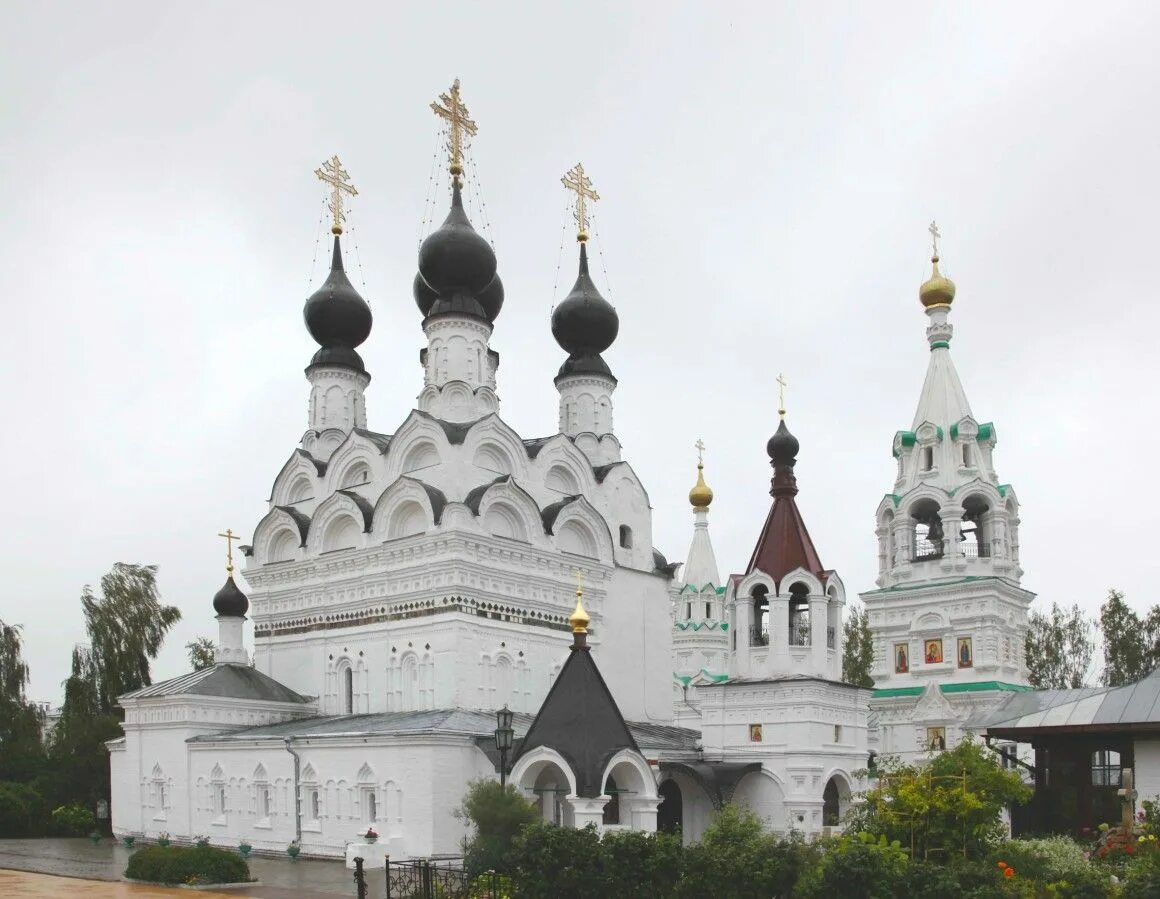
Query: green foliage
(856, 866)
(182, 864)
(951, 806)
(1059, 648)
(1142, 880)
(77, 752)
(1130, 645)
(549, 862)
(22, 811)
(639, 865)
(202, 653)
(1058, 863)
(21, 721)
(73, 821)
(857, 648)
(497, 814)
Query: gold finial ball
(579, 618)
(700, 496)
(336, 229)
(936, 290)
(456, 168)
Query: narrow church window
(372, 807)
(927, 458)
(264, 803)
(708, 610)
(221, 800)
(348, 691)
(966, 455)
(315, 808)
(625, 537)
(837, 733)
(688, 610)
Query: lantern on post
(503, 740)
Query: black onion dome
(783, 446)
(337, 317)
(425, 296)
(454, 258)
(585, 324)
(229, 601)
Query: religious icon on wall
(755, 733)
(901, 659)
(934, 653)
(936, 739)
(966, 655)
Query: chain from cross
(230, 538)
(580, 184)
(781, 385)
(331, 172)
(700, 445)
(459, 124)
(935, 234)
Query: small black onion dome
(585, 365)
(336, 315)
(783, 446)
(229, 601)
(457, 302)
(425, 296)
(491, 298)
(585, 324)
(454, 257)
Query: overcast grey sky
(767, 170)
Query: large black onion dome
(425, 295)
(336, 315)
(585, 324)
(229, 601)
(783, 446)
(454, 257)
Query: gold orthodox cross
(700, 445)
(934, 236)
(230, 538)
(578, 182)
(338, 178)
(459, 123)
(781, 385)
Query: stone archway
(670, 813)
(835, 801)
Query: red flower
(1130, 849)
(1008, 872)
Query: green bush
(73, 821)
(1057, 863)
(549, 862)
(1143, 878)
(856, 866)
(497, 815)
(641, 865)
(22, 811)
(190, 865)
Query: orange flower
(1002, 864)
(1008, 872)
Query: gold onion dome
(936, 290)
(579, 618)
(701, 495)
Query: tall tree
(1059, 648)
(21, 721)
(126, 625)
(1129, 649)
(201, 653)
(79, 760)
(857, 648)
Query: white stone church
(407, 584)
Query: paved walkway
(41, 864)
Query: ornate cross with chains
(781, 385)
(579, 183)
(332, 173)
(934, 236)
(459, 124)
(230, 538)
(700, 445)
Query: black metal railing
(758, 636)
(438, 879)
(799, 635)
(925, 550)
(831, 637)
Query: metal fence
(424, 878)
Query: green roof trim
(986, 431)
(895, 498)
(986, 686)
(905, 438)
(686, 679)
(697, 625)
(938, 430)
(1003, 488)
(955, 431)
(940, 345)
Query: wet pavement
(65, 859)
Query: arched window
(799, 615)
(315, 806)
(348, 691)
(410, 674)
(975, 539)
(372, 807)
(831, 810)
(625, 537)
(928, 530)
(927, 458)
(759, 632)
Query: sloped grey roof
(227, 681)
(1090, 708)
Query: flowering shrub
(73, 820)
(857, 865)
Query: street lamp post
(503, 740)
